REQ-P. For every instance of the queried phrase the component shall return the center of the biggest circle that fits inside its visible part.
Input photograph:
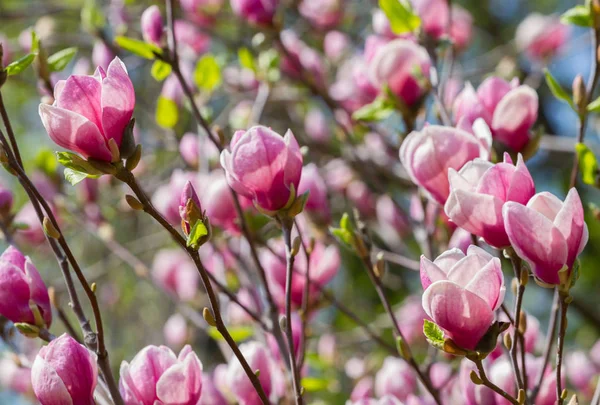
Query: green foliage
(345, 233)
(557, 90)
(137, 47)
(77, 168)
(74, 177)
(167, 113)
(594, 106)
(19, 65)
(433, 334)
(580, 15)
(160, 70)
(246, 59)
(59, 60)
(315, 384)
(379, 109)
(207, 74)
(402, 17)
(588, 165)
(238, 333)
(197, 235)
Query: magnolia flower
(462, 292)
(89, 111)
(541, 36)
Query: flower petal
(430, 273)
(48, 386)
(81, 95)
(488, 283)
(514, 117)
(570, 222)
(118, 100)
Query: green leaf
(207, 74)
(92, 17)
(238, 333)
(588, 165)
(401, 16)
(160, 70)
(35, 43)
(246, 59)
(74, 177)
(557, 90)
(59, 60)
(137, 47)
(379, 109)
(19, 65)
(579, 15)
(198, 232)
(345, 233)
(77, 163)
(594, 106)
(315, 384)
(433, 334)
(167, 113)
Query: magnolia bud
(208, 317)
(507, 341)
(579, 93)
(134, 203)
(475, 378)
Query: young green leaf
(77, 163)
(579, 15)
(167, 113)
(594, 106)
(378, 110)
(401, 16)
(238, 333)
(588, 165)
(197, 235)
(315, 384)
(556, 89)
(137, 47)
(74, 177)
(59, 60)
(207, 74)
(246, 59)
(433, 334)
(19, 65)
(160, 70)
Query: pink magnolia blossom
(166, 198)
(263, 166)
(211, 394)
(259, 12)
(429, 154)
(317, 204)
(541, 36)
(259, 358)
(174, 271)
(395, 378)
(479, 191)
(353, 87)
(152, 25)
(434, 16)
(202, 12)
(189, 149)
(460, 239)
(188, 193)
(335, 45)
(462, 292)
(361, 196)
(322, 14)
(157, 376)
(191, 42)
(22, 290)
(411, 316)
(394, 65)
(15, 377)
(33, 233)
(508, 109)
(88, 111)
(64, 372)
(102, 55)
(219, 205)
(461, 30)
(467, 393)
(316, 126)
(301, 58)
(363, 389)
(547, 233)
(324, 264)
(390, 216)
(176, 331)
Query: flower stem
(564, 300)
(491, 385)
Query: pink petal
(293, 166)
(465, 270)
(536, 240)
(463, 315)
(571, 224)
(430, 273)
(470, 174)
(49, 388)
(81, 95)
(118, 100)
(488, 283)
(514, 116)
(521, 187)
(39, 291)
(74, 132)
(448, 259)
(491, 91)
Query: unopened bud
(93, 287)
(49, 228)
(134, 159)
(524, 279)
(475, 378)
(28, 330)
(403, 349)
(521, 396)
(114, 150)
(579, 93)
(296, 246)
(54, 297)
(283, 322)
(507, 341)
(208, 317)
(564, 394)
(134, 203)
(514, 285)
(379, 267)
(257, 373)
(311, 245)
(522, 323)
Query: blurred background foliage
(135, 311)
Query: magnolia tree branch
(305, 299)
(93, 340)
(286, 227)
(564, 300)
(486, 381)
(519, 377)
(127, 177)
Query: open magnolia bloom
(548, 234)
(462, 292)
(89, 111)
